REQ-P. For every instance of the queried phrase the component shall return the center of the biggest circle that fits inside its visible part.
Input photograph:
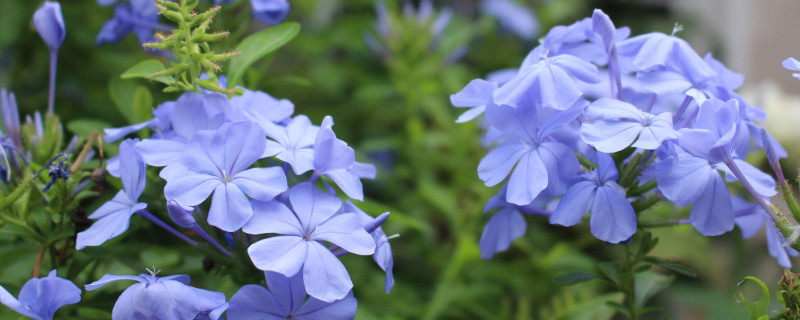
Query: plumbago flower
(39, 298)
(113, 217)
(613, 219)
(312, 219)
(210, 145)
(218, 162)
(286, 299)
(658, 120)
(163, 298)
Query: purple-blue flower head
(294, 143)
(270, 11)
(113, 217)
(301, 231)
(713, 134)
(513, 16)
(334, 159)
(507, 224)
(139, 17)
(383, 250)
(164, 298)
(218, 162)
(192, 112)
(476, 95)
(286, 299)
(615, 125)
(540, 163)
(612, 216)
(549, 83)
(39, 298)
(50, 24)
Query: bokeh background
(389, 95)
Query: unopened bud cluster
(190, 45)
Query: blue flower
(286, 299)
(612, 217)
(513, 16)
(270, 11)
(507, 223)
(548, 83)
(301, 230)
(294, 143)
(476, 95)
(335, 160)
(617, 125)
(50, 24)
(383, 250)
(139, 17)
(39, 298)
(217, 162)
(164, 298)
(113, 217)
(540, 162)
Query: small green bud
(173, 16)
(789, 288)
(164, 5)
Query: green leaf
(258, 45)
(573, 278)
(611, 271)
(84, 127)
(757, 310)
(145, 68)
(679, 269)
(647, 285)
(142, 105)
(620, 308)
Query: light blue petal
(324, 275)
(350, 184)
(191, 189)
(255, 302)
(312, 206)
(281, 254)
(272, 217)
(574, 204)
(712, 213)
(345, 231)
(496, 165)
(503, 227)
(230, 208)
(682, 180)
(261, 183)
(340, 309)
(529, 178)
(613, 219)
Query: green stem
(788, 196)
(627, 284)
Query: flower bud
(789, 288)
(270, 11)
(50, 24)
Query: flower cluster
(595, 121)
(213, 147)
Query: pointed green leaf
(145, 68)
(647, 284)
(611, 271)
(573, 278)
(258, 45)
